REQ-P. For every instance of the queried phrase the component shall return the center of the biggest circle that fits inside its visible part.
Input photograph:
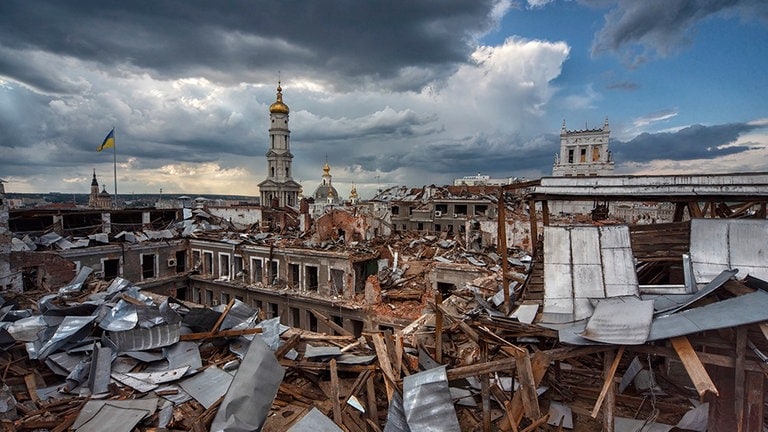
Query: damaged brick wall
(50, 270)
(330, 225)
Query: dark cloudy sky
(391, 92)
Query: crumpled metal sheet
(396, 421)
(182, 354)
(239, 314)
(73, 327)
(271, 331)
(315, 421)
(77, 283)
(427, 402)
(48, 239)
(620, 321)
(716, 283)
(27, 329)
(121, 317)
(745, 309)
(247, 403)
(733, 312)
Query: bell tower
(279, 184)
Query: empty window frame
(148, 266)
(312, 274)
(224, 265)
(257, 274)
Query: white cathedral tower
(279, 189)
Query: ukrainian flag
(109, 141)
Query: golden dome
(326, 168)
(279, 107)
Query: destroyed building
(688, 347)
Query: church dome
(279, 107)
(325, 192)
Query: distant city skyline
(410, 94)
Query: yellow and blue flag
(109, 141)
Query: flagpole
(114, 161)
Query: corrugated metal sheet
(141, 339)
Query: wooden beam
(356, 387)
(694, 210)
(223, 333)
(329, 322)
(693, 366)
(539, 365)
(739, 376)
(370, 393)
(502, 250)
(485, 390)
(608, 385)
(335, 394)
(386, 367)
(478, 369)
(755, 407)
(438, 328)
(527, 387)
(534, 226)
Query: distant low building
(479, 179)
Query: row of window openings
(311, 273)
(149, 265)
(442, 209)
(583, 155)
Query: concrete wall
(130, 258)
(243, 216)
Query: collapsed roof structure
(601, 325)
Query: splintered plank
(693, 366)
(386, 367)
(608, 384)
(539, 365)
(528, 387)
(335, 393)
